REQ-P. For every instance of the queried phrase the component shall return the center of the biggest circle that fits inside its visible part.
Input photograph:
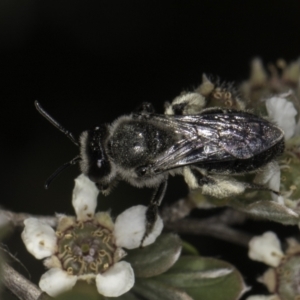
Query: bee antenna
(60, 169)
(55, 123)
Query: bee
(206, 148)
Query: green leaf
(155, 258)
(204, 278)
(189, 249)
(82, 290)
(127, 296)
(153, 290)
(77, 295)
(272, 211)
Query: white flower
(84, 198)
(120, 272)
(129, 231)
(283, 113)
(39, 238)
(269, 176)
(266, 248)
(56, 281)
(88, 247)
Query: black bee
(143, 148)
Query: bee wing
(215, 135)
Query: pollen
(87, 248)
(68, 236)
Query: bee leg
(186, 104)
(216, 186)
(220, 187)
(152, 210)
(255, 186)
(145, 107)
(195, 179)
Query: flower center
(86, 248)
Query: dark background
(88, 62)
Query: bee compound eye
(141, 171)
(101, 187)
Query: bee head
(94, 160)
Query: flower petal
(116, 281)
(266, 248)
(258, 75)
(270, 176)
(84, 198)
(130, 228)
(56, 281)
(270, 278)
(39, 238)
(283, 113)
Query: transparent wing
(214, 135)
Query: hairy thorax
(136, 143)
